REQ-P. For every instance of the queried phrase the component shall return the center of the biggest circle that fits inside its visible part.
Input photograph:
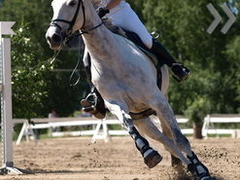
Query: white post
(6, 100)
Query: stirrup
(180, 72)
(89, 104)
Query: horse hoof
(152, 158)
(176, 162)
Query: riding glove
(102, 12)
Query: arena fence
(211, 120)
(100, 128)
(6, 100)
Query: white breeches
(124, 17)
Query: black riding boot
(94, 102)
(180, 72)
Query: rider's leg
(134, 24)
(180, 72)
(94, 102)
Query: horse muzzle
(54, 38)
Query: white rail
(99, 129)
(210, 120)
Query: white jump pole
(6, 100)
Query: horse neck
(100, 40)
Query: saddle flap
(132, 37)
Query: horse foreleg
(165, 113)
(151, 157)
(167, 117)
(196, 167)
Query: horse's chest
(123, 74)
(126, 80)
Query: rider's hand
(102, 12)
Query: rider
(122, 15)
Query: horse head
(68, 17)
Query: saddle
(132, 37)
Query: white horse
(126, 79)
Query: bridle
(69, 34)
(72, 22)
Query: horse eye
(72, 3)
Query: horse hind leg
(151, 157)
(167, 117)
(198, 168)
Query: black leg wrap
(191, 168)
(151, 157)
(140, 142)
(198, 168)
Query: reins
(81, 32)
(70, 35)
(72, 22)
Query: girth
(141, 115)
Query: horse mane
(113, 28)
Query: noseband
(71, 23)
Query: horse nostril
(56, 38)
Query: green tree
(213, 59)
(37, 86)
(29, 87)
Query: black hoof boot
(176, 162)
(152, 158)
(91, 105)
(199, 169)
(180, 72)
